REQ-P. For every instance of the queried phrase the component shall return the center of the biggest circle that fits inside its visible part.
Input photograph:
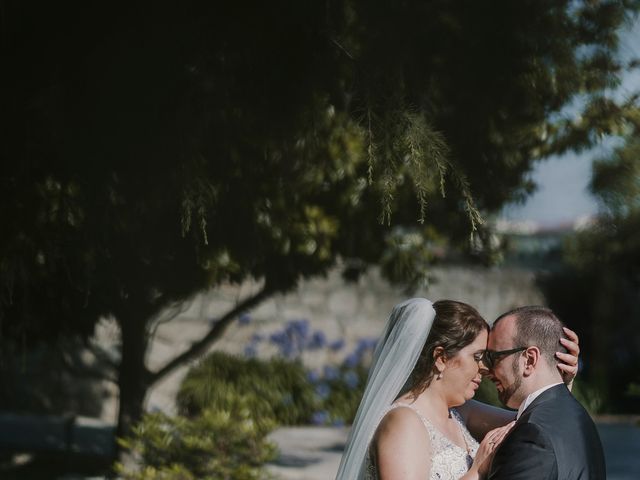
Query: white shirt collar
(532, 397)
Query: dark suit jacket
(554, 438)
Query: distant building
(531, 244)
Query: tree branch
(169, 314)
(216, 331)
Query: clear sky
(563, 181)
(562, 193)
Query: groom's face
(505, 373)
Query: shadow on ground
(51, 466)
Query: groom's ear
(532, 358)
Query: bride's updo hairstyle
(455, 326)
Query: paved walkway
(308, 453)
(621, 443)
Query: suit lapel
(550, 394)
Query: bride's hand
(487, 449)
(568, 362)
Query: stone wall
(341, 310)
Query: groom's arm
(526, 454)
(480, 418)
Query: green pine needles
(408, 146)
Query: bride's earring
(439, 377)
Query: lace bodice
(449, 461)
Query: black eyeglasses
(490, 356)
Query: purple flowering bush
(281, 386)
(338, 385)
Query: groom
(554, 437)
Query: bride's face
(462, 373)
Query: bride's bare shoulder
(401, 422)
(402, 446)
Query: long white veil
(393, 361)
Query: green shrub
(589, 396)
(173, 472)
(633, 390)
(275, 388)
(226, 443)
(487, 393)
(339, 392)
(586, 394)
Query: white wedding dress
(448, 460)
(393, 361)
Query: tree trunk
(135, 380)
(133, 377)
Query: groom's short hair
(537, 326)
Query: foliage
(409, 256)
(227, 443)
(590, 397)
(616, 180)
(598, 290)
(276, 388)
(340, 390)
(634, 389)
(282, 386)
(487, 393)
(337, 386)
(151, 153)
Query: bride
(428, 361)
